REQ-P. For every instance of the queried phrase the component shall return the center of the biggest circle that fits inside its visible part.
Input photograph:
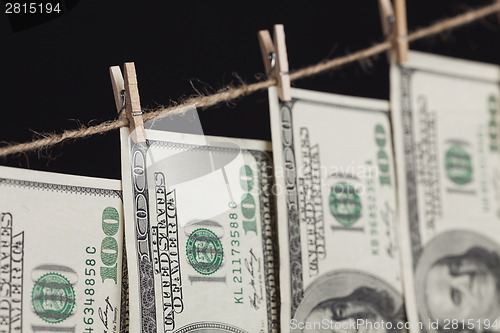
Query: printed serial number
(88, 310)
(32, 8)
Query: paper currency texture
(336, 201)
(199, 231)
(445, 117)
(61, 252)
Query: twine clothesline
(228, 94)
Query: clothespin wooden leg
(118, 87)
(267, 50)
(387, 19)
(275, 60)
(133, 104)
(283, 73)
(401, 31)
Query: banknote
(61, 241)
(336, 200)
(445, 114)
(199, 232)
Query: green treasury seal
(345, 204)
(53, 298)
(458, 165)
(204, 251)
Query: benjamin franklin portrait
(458, 277)
(342, 296)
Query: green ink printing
(53, 298)
(344, 203)
(458, 165)
(204, 251)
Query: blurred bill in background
(446, 117)
(336, 199)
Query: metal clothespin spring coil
(272, 59)
(123, 95)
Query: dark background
(55, 75)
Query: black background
(55, 72)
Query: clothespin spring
(272, 60)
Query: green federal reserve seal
(53, 298)
(458, 164)
(204, 251)
(345, 204)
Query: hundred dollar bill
(199, 231)
(336, 200)
(61, 241)
(446, 118)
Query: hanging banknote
(61, 253)
(199, 230)
(446, 118)
(336, 200)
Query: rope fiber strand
(229, 94)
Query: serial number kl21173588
(32, 8)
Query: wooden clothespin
(387, 19)
(275, 60)
(394, 26)
(402, 44)
(118, 87)
(127, 99)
